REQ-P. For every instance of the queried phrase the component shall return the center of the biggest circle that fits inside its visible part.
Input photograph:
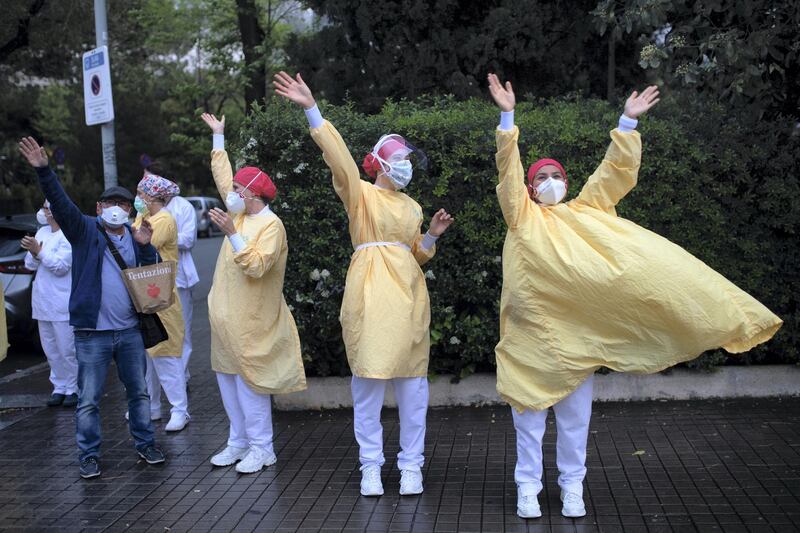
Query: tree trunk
(252, 38)
(612, 66)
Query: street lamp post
(107, 128)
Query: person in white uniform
(50, 255)
(185, 217)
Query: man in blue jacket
(101, 312)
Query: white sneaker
(229, 455)
(371, 481)
(410, 482)
(255, 460)
(573, 505)
(177, 421)
(528, 505)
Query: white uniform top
(186, 219)
(53, 282)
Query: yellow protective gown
(253, 333)
(386, 311)
(3, 330)
(165, 240)
(583, 288)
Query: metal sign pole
(107, 128)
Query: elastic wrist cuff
(314, 117)
(237, 242)
(218, 141)
(627, 124)
(507, 120)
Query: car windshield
(196, 204)
(9, 241)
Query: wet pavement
(652, 466)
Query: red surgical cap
(257, 181)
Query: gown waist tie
(369, 244)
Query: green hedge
(727, 193)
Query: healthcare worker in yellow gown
(255, 349)
(164, 363)
(583, 289)
(385, 312)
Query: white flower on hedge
(298, 297)
(497, 259)
(325, 293)
(300, 167)
(279, 175)
(484, 273)
(251, 143)
(324, 274)
(429, 274)
(291, 308)
(454, 340)
(284, 205)
(314, 275)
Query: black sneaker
(90, 468)
(55, 399)
(71, 400)
(152, 455)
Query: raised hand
(222, 220)
(216, 125)
(636, 104)
(143, 233)
(440, 222)
(503, 96)
(31, 151)
(32, 245)
(294, 89)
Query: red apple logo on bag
(152, 290)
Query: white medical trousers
(572, 425)
(412, 405)
(167, 372)
(58, 344)
(185, 296)
(249, 413)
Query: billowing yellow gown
(165, 241)
(253, 333)
(583, 288)
(386, 310)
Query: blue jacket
(88, 248)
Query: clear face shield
(398, 158)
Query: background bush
(726, 192)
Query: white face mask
(41, 218)
(400, 173)
(551, 191)
(234, 202)
(114, 216)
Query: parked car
(202, 205)
(17, 281)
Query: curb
(479, 389)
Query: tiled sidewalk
(660, 466)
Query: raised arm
(617, 174)
(346, 180)
(511, 191)
(220, 164)
(69, 217)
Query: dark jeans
(94, 351)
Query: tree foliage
(370, 51)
